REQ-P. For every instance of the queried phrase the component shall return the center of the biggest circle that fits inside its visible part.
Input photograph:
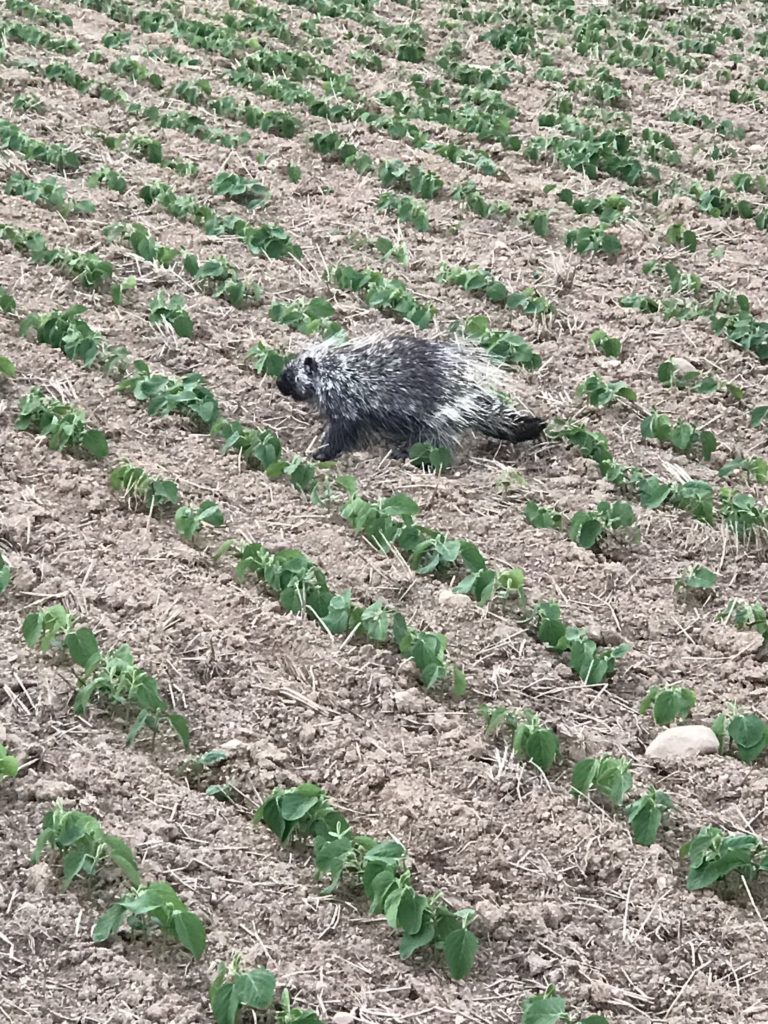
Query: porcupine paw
(324, 454)
(401, 453)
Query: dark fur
(401, 388)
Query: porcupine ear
(310, 365)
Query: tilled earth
(564, 897)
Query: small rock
(44, 790)
(232, 746)
(452, 600)
(343, 1017)
(683, 741)
(536, 964)
(409, 701)
(490, 913)
(682, 365)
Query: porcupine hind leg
(341, 436)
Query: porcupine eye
(310, 366)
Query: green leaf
(256, 988)
(410, 943)
(585, 529)
(411, 911)
(109, 922)
(297, 803)
(190, 932)
(32, 628)
(459, 951)
(95, 442)
(224, 1004)
(180, 726)
(6, 367)
(700, 578)
(83, 648)
(543, 1009)
(71, 864)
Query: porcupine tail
(496, 419)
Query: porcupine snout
(284, 384)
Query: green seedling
(7, 368)
(587, 529)
(302, 589)
(265, 360)
(467, 194)
(537, 221)
(698, 578)
(502, 346)
(668, 704)
(410, 178)
(528, 302)
(549, 1008)
(609, 776)
(140, 488)
(596, 240)
(542, 517)
(379, 292)
(609, 210)
(305, 813)
(747, 733)
(9, 765)
(195, 767)
(108, 178)
(288, 1014)
(311, 317)
(713, 856)
(531, 741)
(754, 469)
(142, 243)
(64, 427)
(5, 575)
(67, 332)
(646, 814)
(259, 448)
(590, 664)
(681, 435)
(82, 845)
(233, 990)
(702, 384)
(405, 209)
(387, 248)
(429, 456)
(46, 192)
(118, 683)
(223, 281)
(602, 393)
(49, 628)
(187, 395)
(156, 903)
(248, 193)
(190, 521)
(59, 157)
(7, 305)
(606, 344)
(744, 615)
(170, 309)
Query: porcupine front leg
(341, 436)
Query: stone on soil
(683, 741)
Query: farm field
(381, 725)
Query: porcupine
(402, 388)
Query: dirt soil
(564, 897)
